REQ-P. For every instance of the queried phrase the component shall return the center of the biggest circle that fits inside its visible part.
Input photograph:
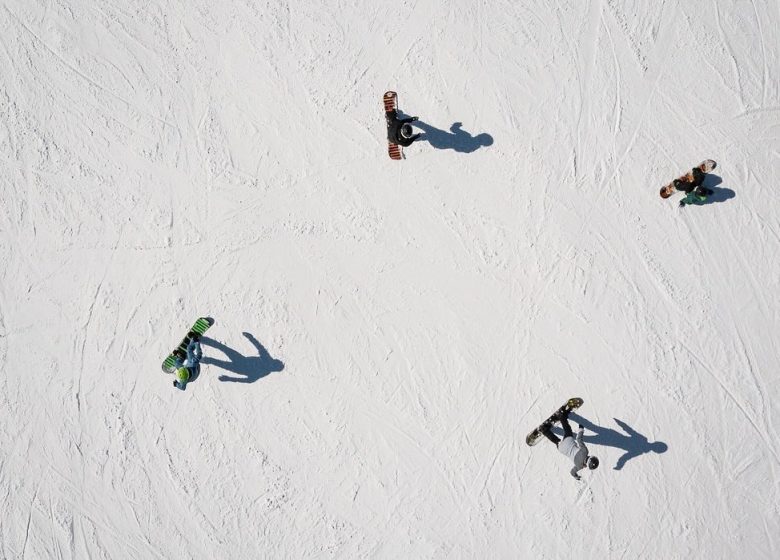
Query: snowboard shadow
(711, 180)
(247, 369)
(632, 442)
(456, 139)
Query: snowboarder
(696, 196)
(572, 447)
(692, 186)
(399, 131)
(185, 364)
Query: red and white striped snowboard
(390, 100)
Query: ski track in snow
(161, 162)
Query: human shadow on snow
(718, 194)
(248, 369)
(632, 442)
(456, 139)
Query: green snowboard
(200, 327)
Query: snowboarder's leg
(567, 432)
(549, 435)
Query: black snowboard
(534, 437)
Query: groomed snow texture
(387, 333)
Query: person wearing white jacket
(572, 447)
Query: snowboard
(534, 437)
(706, 166)
(201, 326)
(390, 100)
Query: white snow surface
(164, 160)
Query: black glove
(582, 427)
(415, 118)
(682, 203)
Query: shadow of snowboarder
(633, 443)
(718, 194)
(250, 368)
(456, 139)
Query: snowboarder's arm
(689, 199)
(578, 439)
(574, 471)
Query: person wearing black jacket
(399, 131)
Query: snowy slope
(408, 322)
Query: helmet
(593, 463)
(182, 375)
(406, 131)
